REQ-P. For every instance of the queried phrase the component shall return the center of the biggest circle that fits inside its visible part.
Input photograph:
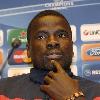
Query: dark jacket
(27, 87)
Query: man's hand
(58, 84)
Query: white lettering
(95, 72)
(19, 56)
(59, 4)
(95, 52)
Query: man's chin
(49, 68)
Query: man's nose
(52, 43)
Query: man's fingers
(51, 74)
(44, 87)
(47, 80)
(57, 65)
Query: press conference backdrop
(84, 18)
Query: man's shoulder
(91, 89)
(5, 82)
(19, 87)
(87, 82)
(89, 85)
(14, 78)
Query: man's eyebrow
(40, 32)
(62, 30)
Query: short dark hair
(41, 14)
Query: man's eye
(62, 35)
(41, 37)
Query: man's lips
(54, 56)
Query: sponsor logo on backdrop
(91, 71)
(18, 71)
(19, 56)
(1, 37)
(90, 32)
(12, 34)
(90, 52)
(59, 4)
(73, 28)
(1, 58)
(87, 72)
(75, 53)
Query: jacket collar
(37, 75)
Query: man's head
(50, 38)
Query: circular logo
(85, 32)
(87, 72)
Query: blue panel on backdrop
(83, 15)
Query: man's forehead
(50, 20)
(50, 17)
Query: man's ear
(28, 49)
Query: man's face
(50, 40)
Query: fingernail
(52, 61)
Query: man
(51, 49)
